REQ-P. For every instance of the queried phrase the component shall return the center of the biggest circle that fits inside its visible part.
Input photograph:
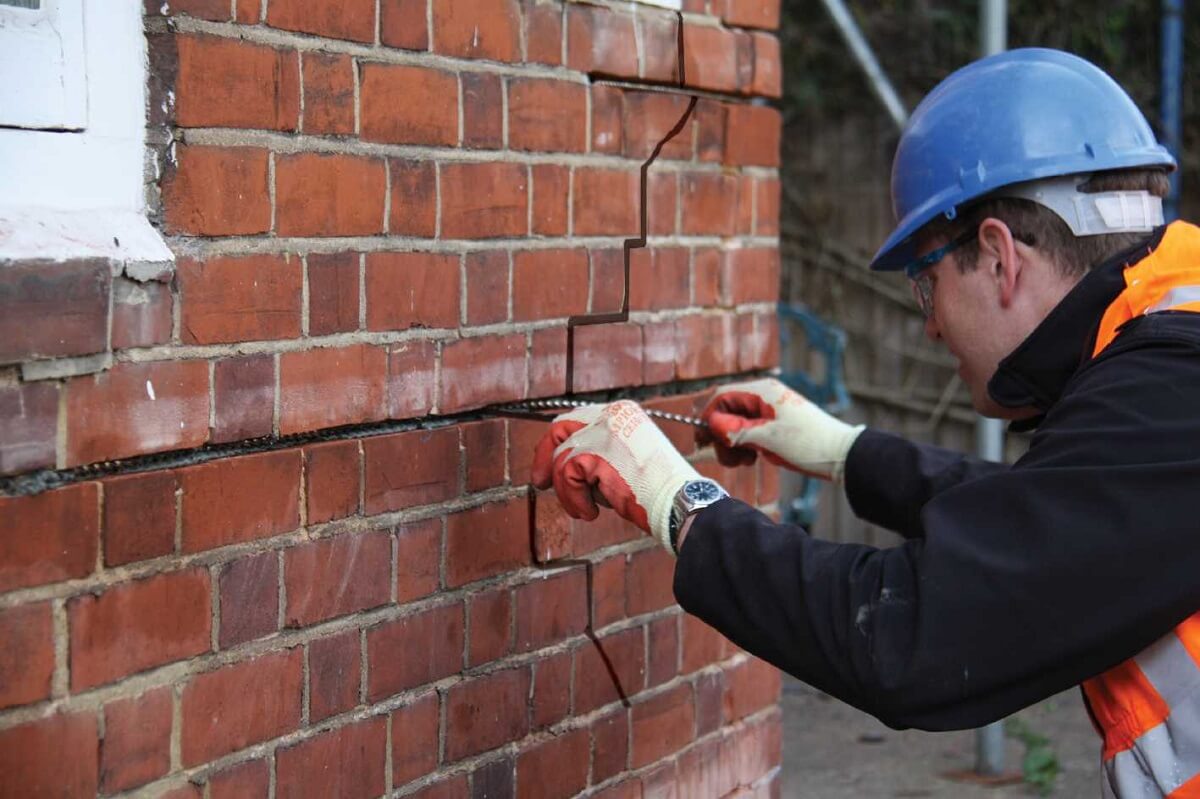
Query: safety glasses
(918, 270)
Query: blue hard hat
(1017, 116)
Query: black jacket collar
(1037, 371)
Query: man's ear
(998, 251)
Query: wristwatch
(691, 497)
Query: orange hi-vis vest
(1148, 708)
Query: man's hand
(766, 416)
(618, 452)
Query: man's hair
(1037, 226)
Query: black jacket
(1014, 583)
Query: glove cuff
(659, 511)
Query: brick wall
(386, 210)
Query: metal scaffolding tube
(866, 59)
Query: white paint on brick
(150, 390)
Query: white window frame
(674, 5)
(72, 181)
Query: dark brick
(249, 599)
(28, 426)
(139, 517)
(333, 674)
(244, 396)
(49, 309)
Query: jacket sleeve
(915, 473)
(1027, 580)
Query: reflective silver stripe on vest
(1167, 756)
(1180, 295)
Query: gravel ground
(832, 751)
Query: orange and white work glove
(618, 452)
(766, 416)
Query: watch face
(701, 491)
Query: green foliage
(1039, 766)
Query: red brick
(54, 756)
(750, 275)
(702, 645)
(662, 724)
(170, 615)
(486, 712)
(233, 500)
(659, 279)
(329, 194)
(418, 559)
(490, 616)
(648, 117)
(231, 83)
(403, 24)
(482, 370)
(549, 284)
(749, 13)
(759, 129)
(608, 280)
(768, 72)
(493, 779)
(454, 787)
(750, 686)
(752, 342)
(331, 386)
(413, 186)
(239, 299)
(543, 32)
(706, 345)
(649, 582)
(328, 93)
(403, 104)
(607, 119)
(48, 537)
(605, 531)
(28, 426)
(707, 266)
(217, 191)
(710, 692)
(137, 741)
(611, 670)
(522, 438)
(331, 472)
(483, 110)
(607, 356)
(610, 745)
(744, 216)
(606, 202)
(249, 599)
(487, 540)
(556, 767)
(335, 19)
(551, 609)
(139, 517)
(547, 368)
(27, 657)
(608, 591)
(759, 749)
(248, 780)
(411, 383)
(414, 650)
(412, 289)
(626, 789)
(744, 56)
(703, 772)
(142, 313)
(241, 704)
(244, 397)
(466, 29)
(483, 453)
(660, 47)
(248, 11)
(552, 534)
(551, 192)
(551, 701)
(710, 131)
(49, 309)
(658, 352)
(710, 57)
(335, 577)
(662, 662)
(487, 286)
(358, 750)
(215, 10)
(601, 41)
(766, 207)
(408, 469)
(547, 115)
(663, 198)
(709, 204)
(484, 200)
(332, 293)
(415, 739)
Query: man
(1028, 189)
